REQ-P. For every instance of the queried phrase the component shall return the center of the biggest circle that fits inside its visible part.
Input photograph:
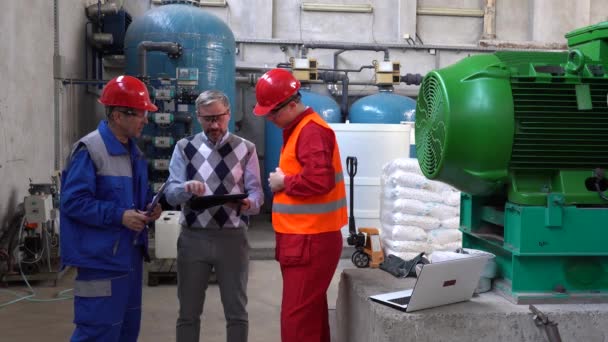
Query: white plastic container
(166, 232)
(373, 145)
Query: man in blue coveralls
(104, 198)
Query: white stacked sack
(417, 214)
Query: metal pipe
(99, 68)
(56, 90)
(453, 12)
(259, 69)
(344, 102)
(348, 70)
(93, 62)
(183, 118)
(75, 81)
(186, 119)
(346, 47)
(95, 11)
(101, 39)
(489, 20)
(86, 50)
(336, 54)
(523, 46)
(348, 8)
(288, 66)
(334, 77)
(400, 46)
(410, 79)
(250, 79)
(174, 50)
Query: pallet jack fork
(368, 249)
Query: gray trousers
(198, 251)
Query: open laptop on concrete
(438, 284)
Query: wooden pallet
(162, 271)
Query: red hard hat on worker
(274, 87)
(127, 91)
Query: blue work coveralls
(104, 178)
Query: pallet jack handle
(351, 169)
(354, 238)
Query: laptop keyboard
(400, 301)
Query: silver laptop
(438, 284)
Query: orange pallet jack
(368, 249)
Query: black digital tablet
(156, 199)
(204, 202)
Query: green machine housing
(524, 136)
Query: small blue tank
(384, 107)
(207, 42)
(324, 105)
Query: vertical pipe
(100, 68)
(489, 20)
(56, 84)
(336, 54)
(86, 52)
(94, 64)
(344, 102)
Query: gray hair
(211, 96)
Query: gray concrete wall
(27, 99)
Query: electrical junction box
(38, 208)
(166, 232)
(388, 73)
(304, 69)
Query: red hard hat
(127, 91)
(274, 87)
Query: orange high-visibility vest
(310, 214)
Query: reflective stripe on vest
(311, 214)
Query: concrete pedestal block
(487, 317)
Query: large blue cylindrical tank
(382, 108)
(207, 43)
(324, 105)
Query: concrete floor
(52, 321)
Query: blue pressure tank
(384, 107)
(324, 105)
(207, 60)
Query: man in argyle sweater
(213, 162)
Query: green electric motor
(522, 123)
(524, 136)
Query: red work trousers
(308, 263)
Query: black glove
(401, 268)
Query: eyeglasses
(273, 113)
(212, 118)
(131, 112)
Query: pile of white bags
(417, 214)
